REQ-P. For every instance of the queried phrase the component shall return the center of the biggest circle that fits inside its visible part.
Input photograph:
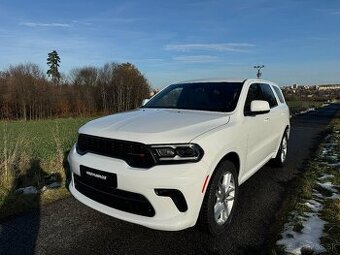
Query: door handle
(266, 119)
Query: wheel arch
(202, 218)
(232, 157)
(287, 130)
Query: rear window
(279, 94)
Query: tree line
(26, 93)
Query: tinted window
(210, 96)
(268, 95)
(170, 99)
(254, 93)
(279, 94)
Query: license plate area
(97, 179)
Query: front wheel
(281, 156)
(220, 199)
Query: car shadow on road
(22, 239)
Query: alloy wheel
(225, 194)
(284, 149)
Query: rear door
(283, 122)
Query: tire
(281, 156)
(219, 199)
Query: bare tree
(27, 94)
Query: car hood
(151, 126)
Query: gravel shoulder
(68, 227)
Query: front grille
(115, 198)
(134, 154)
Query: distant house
(331, 86)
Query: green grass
(30, 151)
(331, 214)
(297, 106)
(331, 210)
(301, 191)
(40, 137)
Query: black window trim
(277, 101)
(245, 113)
(277, 96)
(248, 113)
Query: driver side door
(257, 128)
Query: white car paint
(155, 125)
(255, 140)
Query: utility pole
(258, 68)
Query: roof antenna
(258, 68)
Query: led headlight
(165, 152)
(177, 153)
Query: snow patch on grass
(325, 176)
(314, 205)
(312, 228)
(30, 190)
(328, 186)
(308, 238)
(305, 227)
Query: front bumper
(188, 178)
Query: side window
(268, 95)
(254, 93)
(279, 94)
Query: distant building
(326, 87)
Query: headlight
(177, 153)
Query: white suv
(179, 159)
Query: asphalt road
(68, 227)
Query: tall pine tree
(53, 61)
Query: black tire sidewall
(278, 161)
(222, 168)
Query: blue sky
(298, 41)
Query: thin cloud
(114, 20)
(38, 24)
(142, 60)
(336, 13)
(79, 22)
(238, 47)
(197, 59)
(152, 60)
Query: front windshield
(208, 96)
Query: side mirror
(145, 101)
(259, 107)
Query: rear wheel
(281, 156)
(220, 199)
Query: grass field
(297, 106)
(30, 151)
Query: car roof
(227, 80)
(210, 80)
